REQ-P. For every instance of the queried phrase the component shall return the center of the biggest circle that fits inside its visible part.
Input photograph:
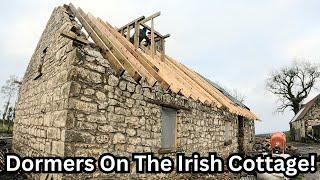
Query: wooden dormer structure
(156, 37)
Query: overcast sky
(236, 43)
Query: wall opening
(168, 128)
(241, 134)
(227, 133)
(39, 69)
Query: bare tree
(9, 91)
(293, 84)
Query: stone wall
(297, 130)
(249, 136)
(42, 107)
(120, 116)
(312, 118)
(77, 107)
(42, 102)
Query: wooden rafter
(174, 78)
(127, 65)
(156, 67)
(191, 81)
(128, 59)
(149, 66)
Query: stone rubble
(262, 144)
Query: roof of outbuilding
(305, 109)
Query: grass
(298, 178)
(5, 126)
(288, 135)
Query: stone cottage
(74, 102)
(306, 122)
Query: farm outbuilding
(305, 124)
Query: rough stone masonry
(71, 104)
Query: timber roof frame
(155, 66)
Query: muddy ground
(293, 148)
(5, 146)
(304, 149)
